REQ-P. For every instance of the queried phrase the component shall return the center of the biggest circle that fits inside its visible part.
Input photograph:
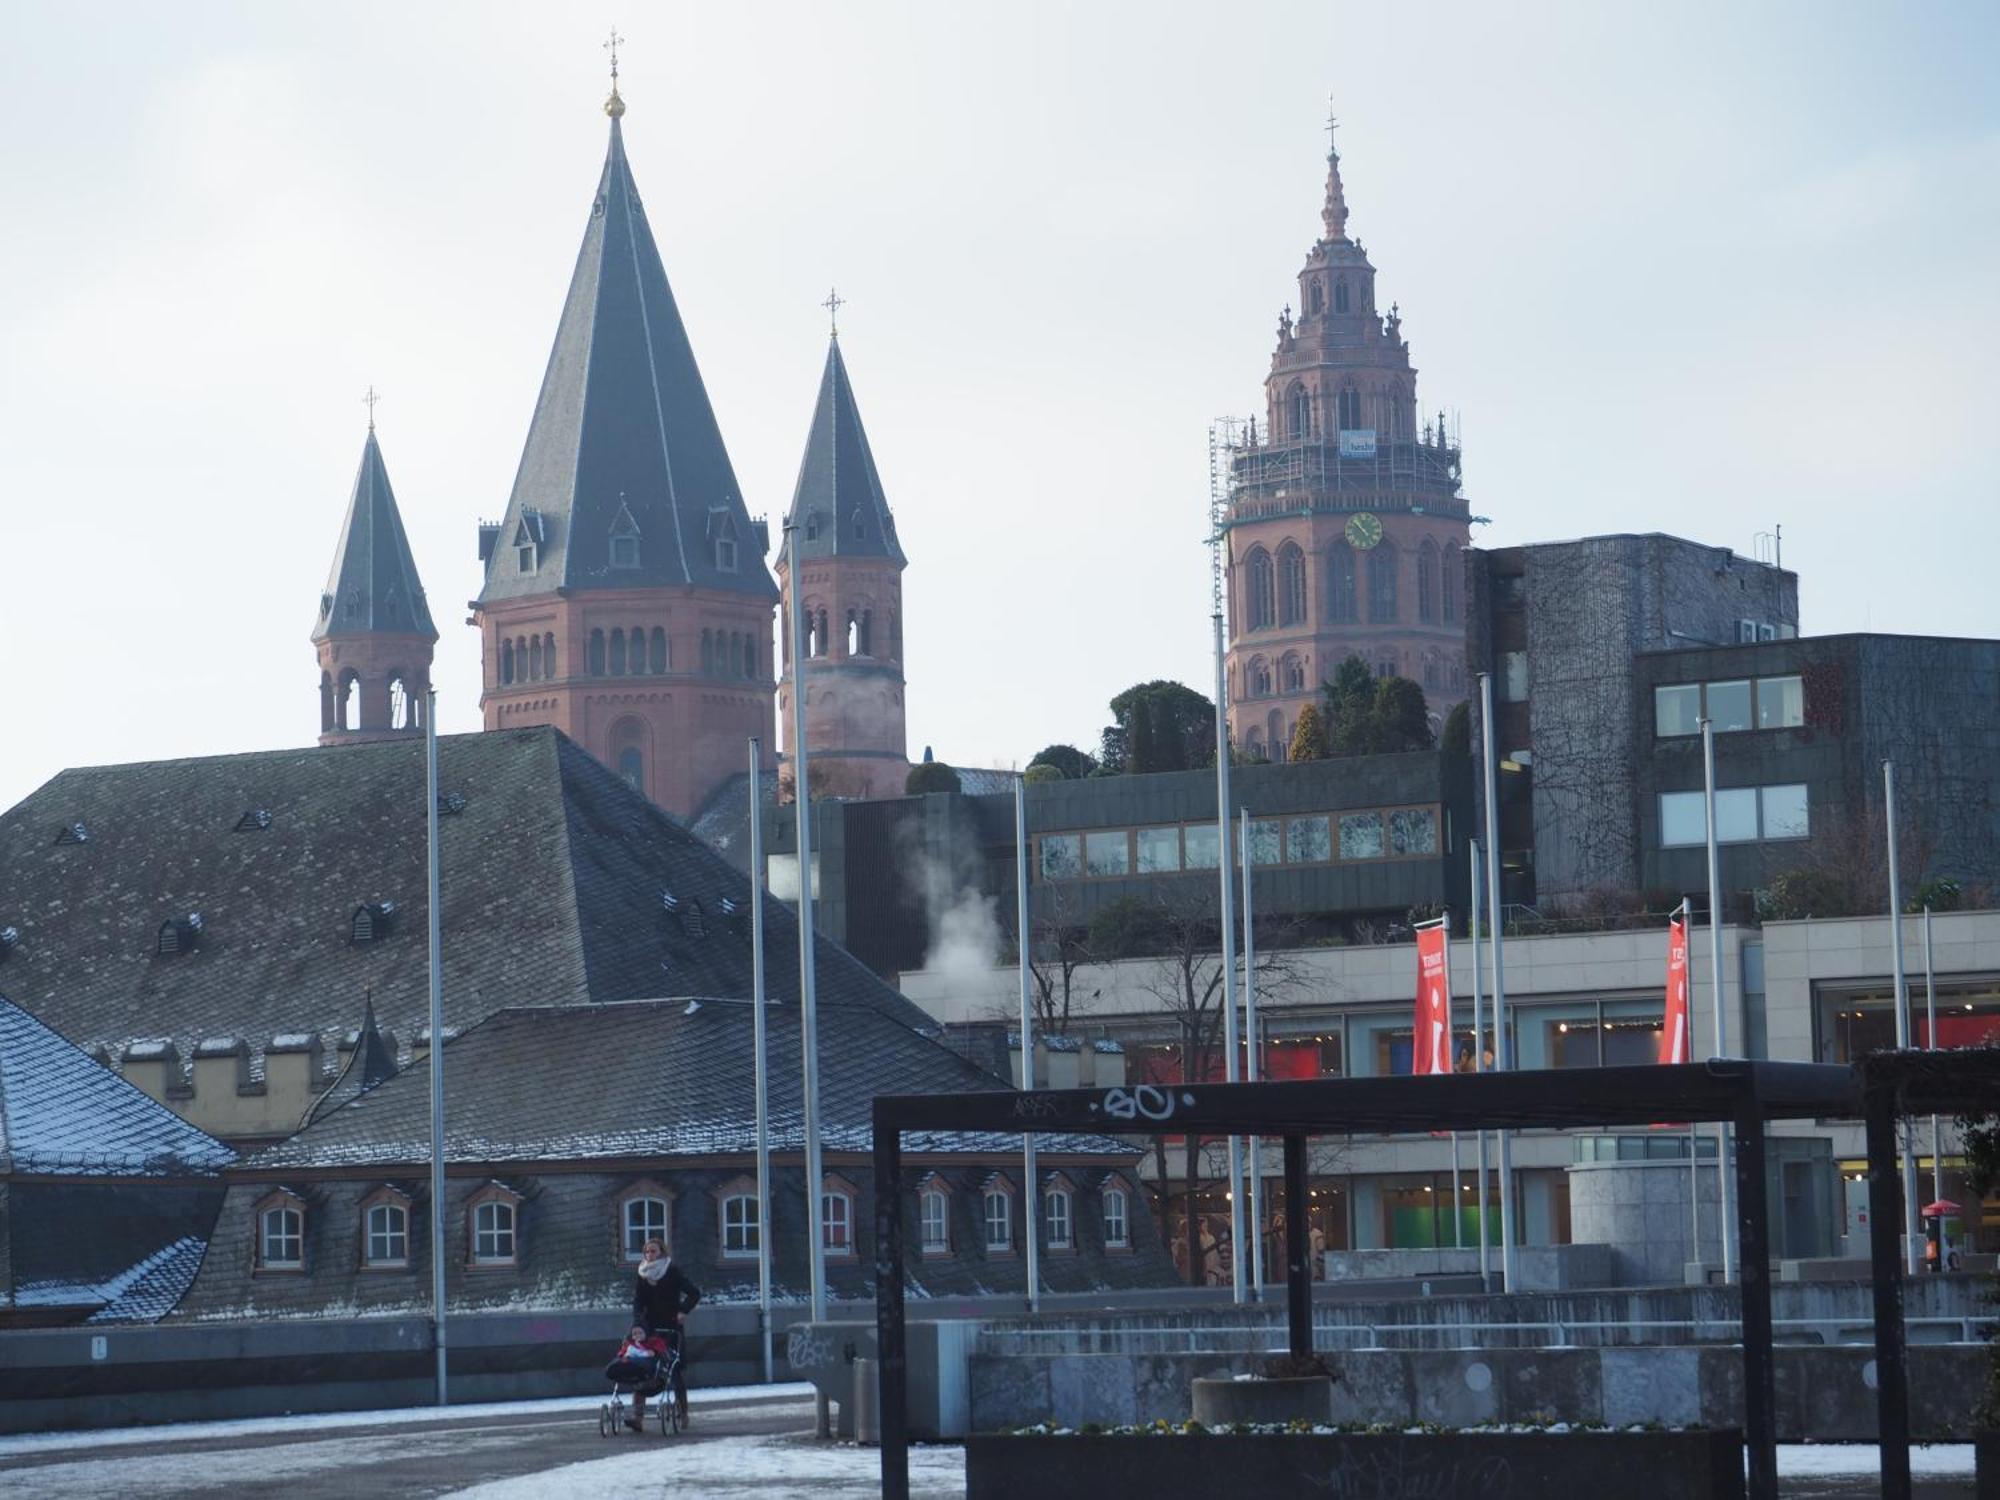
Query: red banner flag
(1674, 1034)
(1431, 1049)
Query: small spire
(1334, 214)
(614, 106)
(369, 401)
(833, 304)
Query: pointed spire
(1334, 214)
(373, 588)
(839, 503)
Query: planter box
(1360, 1466)
(1223, 1403)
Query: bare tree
(1059, 947)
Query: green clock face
(1363, 531)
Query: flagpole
(1930, 1043)
(1031, 1192)
(1479, 1066)
(1251, 1048)
(1911, 1189)
(436, 966)
(1725, 1194)
(1502, 1043)
(1686, 918)
(1451, 1045)
(761, 1059)
(1226, 908)
(808, 998)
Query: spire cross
(833, 304)
(1332, 124)
(611, 46)
(369, 401)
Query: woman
(661, 1297)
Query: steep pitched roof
(373, 586)
(624, 421)
(555, 875)
(63, 1113)
(838, 500)
(652, 1078)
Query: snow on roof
(147, 1047)
(293, 1041)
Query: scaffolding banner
(1357, 442)
(1430, 1051)
(1674, 1034)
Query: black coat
(658, 1305)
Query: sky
(1710, 269)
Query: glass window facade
(1781, 703)
(1309, 841)
(1107, 853)
(1743, 815)
(1729, 706)
(1159, 850)
(1062, 856)
(1361, 836)
(1735, 705)
(1677, 709)
(1308, 838)
(1199, 843)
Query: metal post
(1694, 1131)
(1479, 1065)
(1911, 1190)
(761, 1059)
(1226, 909)
(1719, 982)
(1252, 1049)
(1298, 1249)
(1760, 1396)
(1930, 1044)
(891, 1373)
(1892, 1403)
(808, 999)
(1503, 1049)
(436, 959)
(1030, 1193)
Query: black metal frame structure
(1747, 1094)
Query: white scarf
(653, 1270)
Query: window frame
(932, 1190)
(835, 1189)
(385, 1200)
(1265, 854)
(999, 1191)
(1058, 1189)
(283, 1201)
(493, 1196)
(1122, 1239)
(646, 1190)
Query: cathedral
(627, 600)
(1345, 526)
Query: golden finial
(614, 106)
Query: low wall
(1824, 1395)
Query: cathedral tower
(851, 576)
(626, 599)
(1345, 527)
(374, 635)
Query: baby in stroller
(644, 1366)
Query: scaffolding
(1227, 437)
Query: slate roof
(64, 1114)
(623, 423)
(553, 877)
(658, 1078)
(374, 585)
(150, 1290)
(838, 484)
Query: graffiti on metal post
(808, 1349)
(1144, 1102)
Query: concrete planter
(1304, 1398)
(1358, 1466)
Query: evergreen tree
(1070, 763)
(1309, 740)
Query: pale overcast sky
(1697, 268)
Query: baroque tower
(374, 635)
(851, 577)
(1346, 528)
(626, 599)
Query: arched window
(657, 661)
(492, 1225)
(534, 658)
(281, 1233)
(618, 652)
(385, 1231)
(821, 620)
(895, 636)
(836, 1216)
(628, 747)
(506, 662)
(1291, 585)
(1433, 681)
(1340, 295)
(1260, 678)
(707, 652)
(1382, 584)
(1454, 567)
(1253, 745)
(399, 700)
(1263, 590)
(812, 526)
(933, 1216)
(645, 1212)
(350, 699)
(1350, 409)
(1292, 675)
(1059, 1215)
(549, 654)
(1340, 594)
(997, 1216)
(1427, 583)
(1117, 1218)
(742, 1224)
(596, 653)
(735, 653)
(1276, 727)
(1299, 402)
(1316, 296)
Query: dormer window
(72, 833)
(254, 821)
(624, 539)
(527, 545)
(372, 922)
(812, 527)
(722, 528)
(178, 935)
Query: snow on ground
(242, 1471)
(585, 1404)
(1927, 1460)
(773, 1468)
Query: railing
(1280, 477)
(1270, 1338)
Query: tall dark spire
(623, 443)
(839, 501)
(373, 588)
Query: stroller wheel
(604, 1421)
(667, 1417)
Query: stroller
(644, 1378)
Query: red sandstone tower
(374, 636)
(626, 599)
(851, 573)
(1345, 525)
